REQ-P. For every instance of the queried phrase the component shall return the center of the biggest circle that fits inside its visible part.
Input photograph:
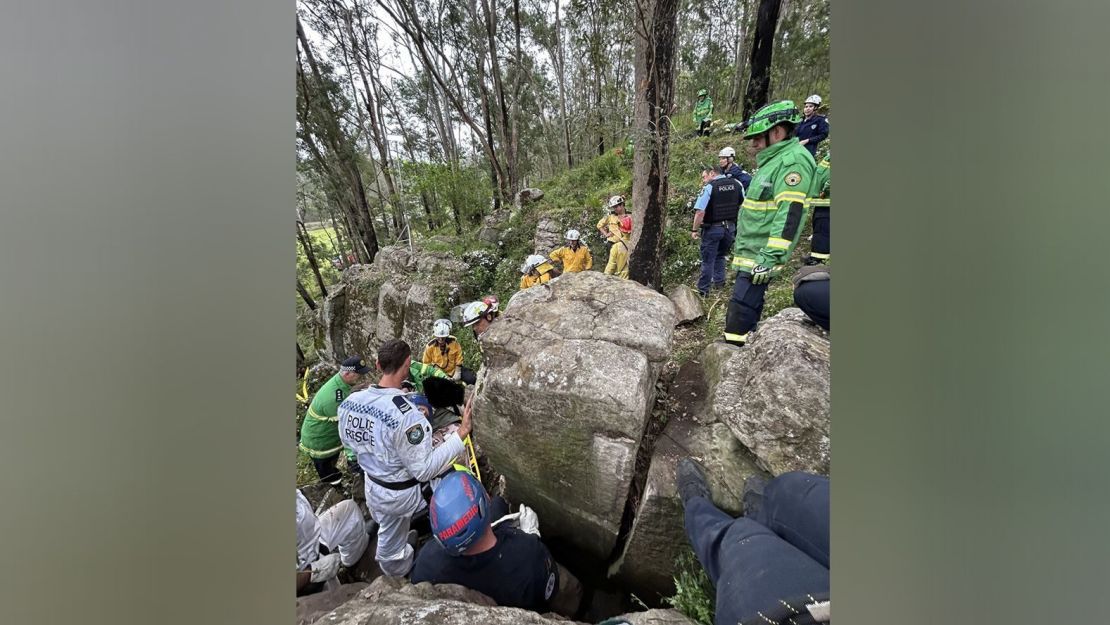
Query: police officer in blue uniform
(715, 224)
(814, 128)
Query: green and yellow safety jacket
(419, 371)
(320, 430)
(821, 192)
(703, 109)
(775, 207)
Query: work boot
(690, 480)
(752, 497)
(810, 261)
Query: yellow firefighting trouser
(618, 260)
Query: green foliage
(694, 594)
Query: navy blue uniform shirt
(816, 129)
(736, 173)
(518, 571)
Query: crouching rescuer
(393, 442)
(771, 216)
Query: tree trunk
(306, 243)
(654, 28)
(305, 295)
(561, 68)
(763, 45)
(340, 147)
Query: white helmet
(474, 311)
(616, 201)
(814, 100)
(441, 328)
(726, 153)
(573, 235)
(531, 262)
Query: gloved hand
(325, 568)
(761, 275)
(529, 523)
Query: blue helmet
(459, 512)
(421, 401)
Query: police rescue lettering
(359, 429)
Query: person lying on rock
(392, 440)
(445, 352)
(536, 270)
(507, 563)
(771, 565)
(336, 538)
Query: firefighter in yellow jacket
(616, 227)
(445, 352)
(573, 256)
(536, 270)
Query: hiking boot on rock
(690, 480)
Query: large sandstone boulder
(774, 393)
(687, 304)
(658, 536)
(549, 235)
(565, 393)
(393, 601)
(531, 194)
(395, 297)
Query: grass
(694, 594)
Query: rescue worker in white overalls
(393, 442)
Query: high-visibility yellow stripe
(819, 255)
(742, 263)
(790, 196)
(819, 202)
(824, 163)
(737, 338)
(312, 413)
(315, 453)
(754, 205)
(778, 244)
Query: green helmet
(772, 115)
(702, 92)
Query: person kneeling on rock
(477, 548)
(536, 270)
(336, 538)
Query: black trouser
(822, 241)
(467, 376)
(703, 127)
(781, 553)
(812, 296)
(744, 308)
(326, 469)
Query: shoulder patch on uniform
(793, 178)
(338, 394)
(401, 404)
(415, 434)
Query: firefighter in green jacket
(820, 196)
(320, 431)
(772, 215)
(703, 112)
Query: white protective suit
(393, 442)
(340, 528)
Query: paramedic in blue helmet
(507, 563)
(392, 439)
